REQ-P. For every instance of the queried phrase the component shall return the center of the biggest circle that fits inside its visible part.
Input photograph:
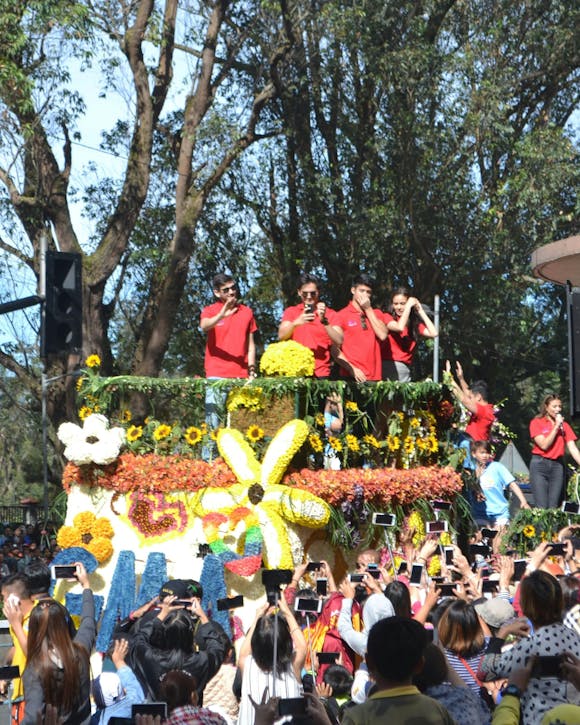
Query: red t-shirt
(543, 426)
(313, 336)
(399, 346)
(226, 351)
(479, 426)
(361, 347)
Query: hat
(495, 612)
(107, 689)
(181, 588)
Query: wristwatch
(512, 690)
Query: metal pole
(436, 309)
(43, 382)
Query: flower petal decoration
(285, 444)
(239, 456)
(89, 533)
(94, 442)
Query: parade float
(153, 494)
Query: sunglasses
(363, 322)
(231, 288)
(309, 294)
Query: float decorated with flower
(153, 493)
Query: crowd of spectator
(20, 544)
(486, 640)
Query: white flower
(94, 442)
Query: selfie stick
(311, 649)
(275, 650)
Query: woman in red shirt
(552, 436)
(406, 322)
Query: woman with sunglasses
(57, 669)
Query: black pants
(546, 481)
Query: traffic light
(62, 329)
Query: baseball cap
(495, 612)
(181, 588)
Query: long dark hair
(49, 635)
(414, 319)
(263, 644)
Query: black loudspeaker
(62, 330)
(573, 298)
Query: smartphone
(327, 658)
(313, 565)
(63, 571)
(274, 577)
(372, 567)
(185, 603)
(489, 585)
(230, 603)
(548, 666)
(437, 579)
(375, 573)
(292, 706)
(384, 519)
(150, 708)
(416, 574)
(310, 606)
(489, 533)
(570, 507)
(115, 720)
(356, 578)
(449, 552)
(402, 568)
(557, 549)
(11, 672)
(481, 549)
(322, 586)
(308, 308)
(436, 527)
(14, 599)
(519, 569)
(447, 590)
(441, 505)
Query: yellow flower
(84, 412)
(84, 521)
(93, 361)
(203, 428)
(100, 547)
(371, 441)
(126, 417)
(319, 420)
(80, 382)
(254, 433)
(90, 533)
(417, 523)
(68, 536)
(409, 444)
(315, 442)
(393, 442)
(352, 442)
(335, 443)
(434, 566)
(351, 406)
(134, 433)
(415, 423)
(193, 435)
(288, 358)
(102, 528)
(214, 434)
(246, 397)
(529, 531)
(161, 432)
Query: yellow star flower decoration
(259, 490)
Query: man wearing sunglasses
(312, 324)
(359, 356)
(230, 351)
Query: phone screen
(322, 587)
(436, 527)
(416, 574)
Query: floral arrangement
(530, 527)
(156, 516)
(288, 358)
(90, 533)
(249, 397)
(94, 442)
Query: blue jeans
(215, 399)
(546, 481)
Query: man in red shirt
(474, 398)
(230, 351)
(363, 329)
(312, 324)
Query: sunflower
(409, 444)
(352, 442)
(254, 433)
(371, 441)
(84, 412)
(529, 531)
(134, 432)
(93, 361)
(393, 442)
(193, 435)
(351, 406)
(415, 423)
(161, 432)
(80, 382)
(126, 416)
(315, 442)
(335, 443)
(319, 420)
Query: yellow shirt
(19, 658)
